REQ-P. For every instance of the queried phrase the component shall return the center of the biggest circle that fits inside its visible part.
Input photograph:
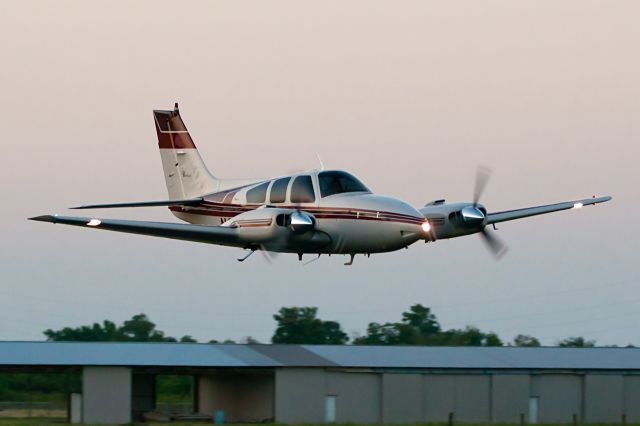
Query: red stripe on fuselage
(310, 209)
(226, 210)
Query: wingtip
(603, 199)
(44, 218)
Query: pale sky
(408, 96)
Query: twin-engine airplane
(315, 212)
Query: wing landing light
(549, 208)
(177, 231)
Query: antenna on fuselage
(320, 161)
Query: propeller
(494, 244)
(269, 256)
(472, 214)
(482, 178)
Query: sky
(409, 96)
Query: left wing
(187, 202)
(550, 208)
(178, 231)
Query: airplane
(313, 212)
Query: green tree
(38, 386)
(525, 340)
(105, 332)
(576, 342)
(379, 334)
(137, 329)
(172, 389)
(140, 329)
(419, 326)
(469, 336)
(301, 325)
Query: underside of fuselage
(341, 230)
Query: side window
(302, 190)
(279, 190)
(258, 194)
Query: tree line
(301, 325)
(296, 325)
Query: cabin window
(279, 190)
(302, 190)
(258, 194)
(332, 183)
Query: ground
(58, 421)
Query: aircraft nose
(391, 204)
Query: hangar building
(358, 384)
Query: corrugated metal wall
(390, 397)
(631, 389)
(106, 395)
(358, 396)
(509, 397)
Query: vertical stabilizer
(184, 171)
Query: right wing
(549, 208)
(221, 235)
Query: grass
(59, 421)
(32, 421)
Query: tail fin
(184, 171)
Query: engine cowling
(277, 229)
(449, 220)
(458, 219)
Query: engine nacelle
(277, 229)
(450, 220)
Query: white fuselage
(356, 222)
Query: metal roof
(231, 355)
(504, 357)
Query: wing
(177, 231)
(549, 208)
(187, 202)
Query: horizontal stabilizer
(550, 208)
(187, 202)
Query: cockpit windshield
(337, 182)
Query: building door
(330, 409)
(533, 409)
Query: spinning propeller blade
(269, 256)
(482, 177)
(493, 243)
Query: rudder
(185, 173)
